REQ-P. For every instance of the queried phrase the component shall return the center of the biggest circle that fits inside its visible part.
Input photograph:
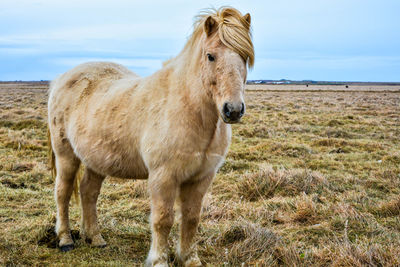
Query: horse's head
(227, 49)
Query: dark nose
(232, 111)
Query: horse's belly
(131, 167)
(112, 161)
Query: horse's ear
(210, 25)
(247, 18)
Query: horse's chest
(218, 148)
(214, 155)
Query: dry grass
(311, 179)
(268, 182)
(390, 208)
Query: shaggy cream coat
(168, 128)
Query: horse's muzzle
(232, 112)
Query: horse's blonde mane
(233, 30)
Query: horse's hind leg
(90, 189)
(67, 165)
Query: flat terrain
(315, 87)
(312, 179)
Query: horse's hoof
(193, 262)
(156, 260)
(97, 242)
(67, 248)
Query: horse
(171, 128)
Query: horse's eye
(210, 57)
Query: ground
(312, 178)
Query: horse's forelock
(233, 30)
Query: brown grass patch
(389, 208)
(305, 210)
(249, 243)
(268, 182)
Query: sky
(330, 40)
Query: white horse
(171, 128)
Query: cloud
(122, 32)
(134, 63)
(293, 39)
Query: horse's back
(82, 86)
(93, 73)
(86, 109)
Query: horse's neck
(185, 82)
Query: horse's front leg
(191, 198)
(162, 189)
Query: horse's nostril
(242, 110)
(227, 110)
(233, 111)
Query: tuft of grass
(330, 142)
(334, 122)
(268, 182)
(231, 165)
(249, 243)
(338, 133)
(24, 124)
(347, 254)
(389, 208)
(306, 211)
(394, 159)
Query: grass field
(312, 179)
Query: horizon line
(251, 81)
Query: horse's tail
(53, 168)
(51, 156)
